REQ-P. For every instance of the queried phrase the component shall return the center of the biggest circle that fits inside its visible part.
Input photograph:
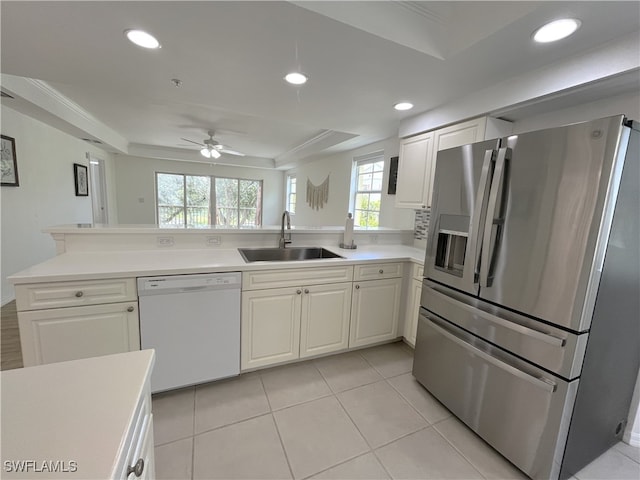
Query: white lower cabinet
(324, 325)
(270, 327)
(374, 311)
(61, 334)
(284, 324)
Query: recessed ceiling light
(403, 106)
(556, 30)
(296, 78)
(142, 38)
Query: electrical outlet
(164, 241)
(214, 241)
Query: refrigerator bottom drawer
(520, 410)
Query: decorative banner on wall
(317, 195)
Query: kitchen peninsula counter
(79, 265)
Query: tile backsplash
(421, 225)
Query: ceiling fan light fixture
(296, 78)
(215, 153)
(142, 38)
(556, 30)
(205, 152)
(403, 106)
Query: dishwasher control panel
(181, 283)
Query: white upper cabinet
(414, 170)
(417, 164)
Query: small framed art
(80, 174)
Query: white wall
(135, 181)
(46, 195)
(338, 166)
(628, 104)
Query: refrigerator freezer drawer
(522, 411)
(551, 348)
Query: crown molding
(45, 103)
(190, 155)
(312, 146)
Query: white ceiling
(361, 57)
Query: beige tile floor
(358, 415)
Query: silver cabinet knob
(298, 291)
(130, 309)
(137, 469)
(79, 294)
(306, 290)
(381, 271)
(357, 287)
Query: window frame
(212, 197)
(288, 193)
(358, 161)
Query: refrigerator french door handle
(504, 154)
(527, 331)
(478, 213)
(543, 383)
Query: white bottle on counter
(348, 233)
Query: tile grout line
(625, 453)
(459, 451)
(275, 424)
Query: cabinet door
(414, 170)
(413, 310)
(60, 334)
(324, 325)
(270, 329)
(374, 312)
(454, 136)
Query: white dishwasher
(193, 323)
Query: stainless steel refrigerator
(529, 330)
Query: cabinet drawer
(295, 277)
(38, 296)
(375, 271)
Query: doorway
(99, 188)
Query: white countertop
(72, 411)
(117, 264)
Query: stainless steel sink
(285, 254)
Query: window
(190, 200)
(291, 194)
(368, 190)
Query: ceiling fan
(212, 148)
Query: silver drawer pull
(529, 332)
(137, 469)
(543, 383)
(130, 309)
(381, 271)
(306, 290)
(357, 287)
(79, 294)
(298, 291)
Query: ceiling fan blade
(191, 141)
(232, 152)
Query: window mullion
(184, 198)
(213, 217)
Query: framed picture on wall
(81, 180)
(9, 163)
